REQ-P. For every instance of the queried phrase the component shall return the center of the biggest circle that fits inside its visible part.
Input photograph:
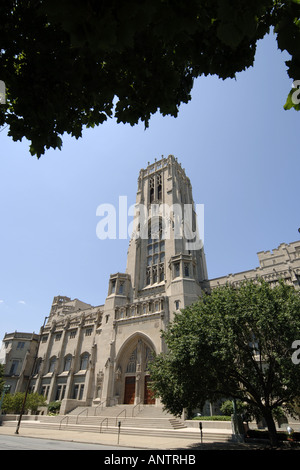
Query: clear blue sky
(234, 139)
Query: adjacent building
(281, 263)
(17, 356)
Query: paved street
(31, 443)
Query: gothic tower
(165, 272)
(165, 252)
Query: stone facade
(99, 355)
(281, 263)
(17, 355)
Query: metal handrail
(65, 417)
(139, 405)
(100, 404)
(84, 409)
(105, 419)
(120, 414)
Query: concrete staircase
(147, 420)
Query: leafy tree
(77, 63)
(237, 343)
(13, 403)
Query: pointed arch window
(131, 366)
(84, 361)
(155, 188)
(159, 187)
(151, 189)
(148, 358)
(52, 364)
(67, 363)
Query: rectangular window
(81, 392)
(72, 334)
(154, 276)
(75, 391)
(14, 367)
(186, 270)
(45, 390)
(58, 391)
(20, 345)
(88, 331)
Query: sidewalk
(126, 440)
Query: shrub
(54, 407)
(212, 418)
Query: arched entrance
(133, 377)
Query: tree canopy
(77, 63)
(237, 343)
(13, 403)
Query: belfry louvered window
(155, 188)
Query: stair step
(162, 423)
(149, 416)
(207, 437)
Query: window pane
(67, 365)
(186, 269)
(84, 362)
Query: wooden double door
(129, 395)
(130, 388)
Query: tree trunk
(267, 414)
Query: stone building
(92, 355)
(17, 356)
(281, 263)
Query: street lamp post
(29, 379)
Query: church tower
(166, 271)
(165, 253)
